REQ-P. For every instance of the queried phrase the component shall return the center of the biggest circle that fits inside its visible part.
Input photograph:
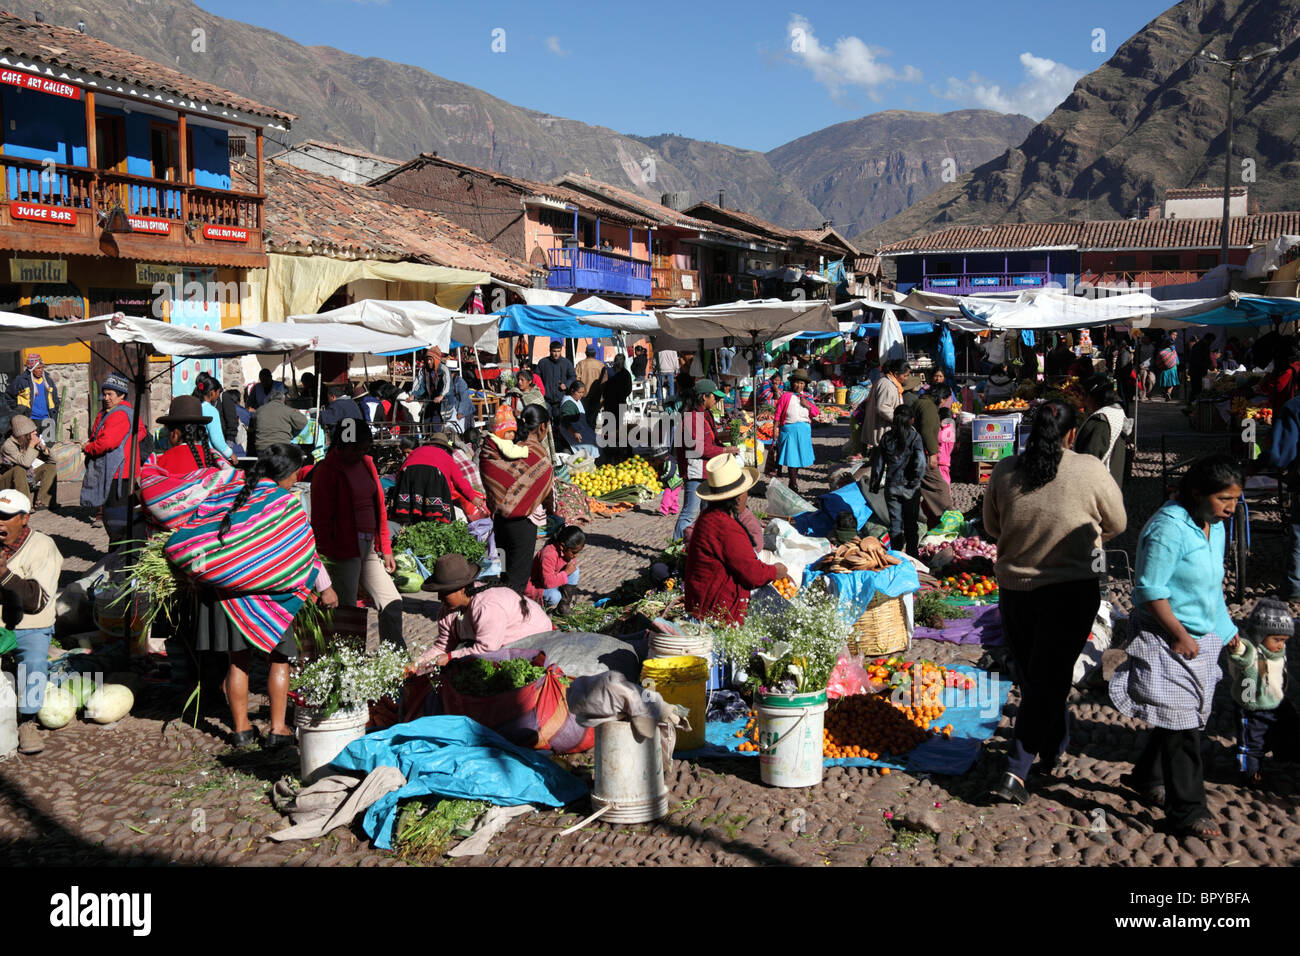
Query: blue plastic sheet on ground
(974, 715)
(455, 757)
(857, 588)
(821, 523)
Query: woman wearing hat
(18, 457)
(722, 567)
(1102, 432)
(187, 438)
(518, 479)
(699, 444)
(106, 485)
(477, 618)
(793, 439)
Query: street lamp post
(1227, 157)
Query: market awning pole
(133, 442)
(317, 433)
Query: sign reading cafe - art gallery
(42, 84)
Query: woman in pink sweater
(555, 570)
(477, 619)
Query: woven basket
(882, 628)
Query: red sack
(535, 716)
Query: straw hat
(185, 410)
(451, 573)
(726, 478)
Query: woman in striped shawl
(251, 551)
(518, 480)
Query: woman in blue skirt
(1166, 359)
(794, 414)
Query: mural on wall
(195, 310)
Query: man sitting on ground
(18, 464)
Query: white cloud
(553, 44)
(848, 63)
(1045, 85)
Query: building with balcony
(573, 242)
(117, 189)
(1117, 253)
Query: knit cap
(1270, 616)
(503, 421)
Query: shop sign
(1028, 280)
(942, 283)
(42, 84)
(985, 280)
(38, 270)
(152, 273)
(40, 213)
(156, 227)
(225, 233)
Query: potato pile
(857, 556)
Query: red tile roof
(70, 49)
(525, 187)
(338, 148)
(714, 213)
(305, 209)
(656, 212)
(1244, 231)
(1202, 192)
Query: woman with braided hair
(188, 448)
(252, 555)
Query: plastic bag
(784, 503)
(794, 550)
(848, 678)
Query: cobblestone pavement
(153, 790)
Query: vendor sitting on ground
(18, 464)
(554, 580)
(722, 567)
(477, 618)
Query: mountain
(862, 172)
(1151, 118)
(399, 110)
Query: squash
(81, 687)
(59, 708)
(109, 704)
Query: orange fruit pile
(868, 725)
(749, 735)
(786, 587)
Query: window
(942, 268)
(1126, 263)
(165, 152)
(1207, 260)
(1166, 262)
(110, 142)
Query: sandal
(278, 740)
(244, 739)
(1204, 829)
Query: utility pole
(1227, 157)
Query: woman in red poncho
(722, 567)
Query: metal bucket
(629, 776)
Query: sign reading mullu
(38, 270)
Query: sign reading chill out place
(225, 233)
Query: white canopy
(892, 345)
(755, 321)
(608, 315)
(23, 331)
(431, 324)
(340, 339)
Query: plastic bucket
(790, 738)
(841, 396)
(682, 680)
(122, 620)
(629, 775)
(320, 741)
(696, 645)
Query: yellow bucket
(682, 680)
(841, 396)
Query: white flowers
(794, 649)
(346, 678)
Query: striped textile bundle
(265, 566)
(170, 501)
(516, 477)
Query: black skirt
(211, 630)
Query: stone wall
(74, 393)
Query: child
(1266, 720)
(555, 570)
(947, 441)
(899, 462)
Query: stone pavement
(153, 790)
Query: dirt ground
(152, 790)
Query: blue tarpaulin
(856, 588)
(556, 321)
(947, 352)
(455, 757)
(909, 328)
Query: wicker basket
(882, 628)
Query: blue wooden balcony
(586, 270)
(980, 283)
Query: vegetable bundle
(478, 677)
(430, 540)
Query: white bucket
(687, 645)
(790, 739)
(8, 716)
(320, 741)
(629, 776)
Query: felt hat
(14, 503)
(442, 440)
(707, 386)
(117, 383)
(504, 421)
(451, 572)
(21, 425)
(912, 382)
(726, 479)
(800, 375)
(185, 410)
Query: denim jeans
(690, 507)
(667, 384)
(33, 665)
(552, 596)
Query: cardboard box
(994, 451)
(995, 427)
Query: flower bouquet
(792, 650)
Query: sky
(749, 74)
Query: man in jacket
(18, 468)
(936, 495)
(459, 406)
(557, 374)
(338, 407)
(669, 365)
(29, 569)
(275, 422)
(886, 395)
(590, 368)
(431, 386)
(37, 391)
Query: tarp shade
(908, 328)
(608, 315)
(22, 331)
(556, 321)
(299, 285)
(1046, 312)
(337, 338)
(747, 321)
(430, 323)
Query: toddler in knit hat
(1266, 720)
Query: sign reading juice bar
(38, 270)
